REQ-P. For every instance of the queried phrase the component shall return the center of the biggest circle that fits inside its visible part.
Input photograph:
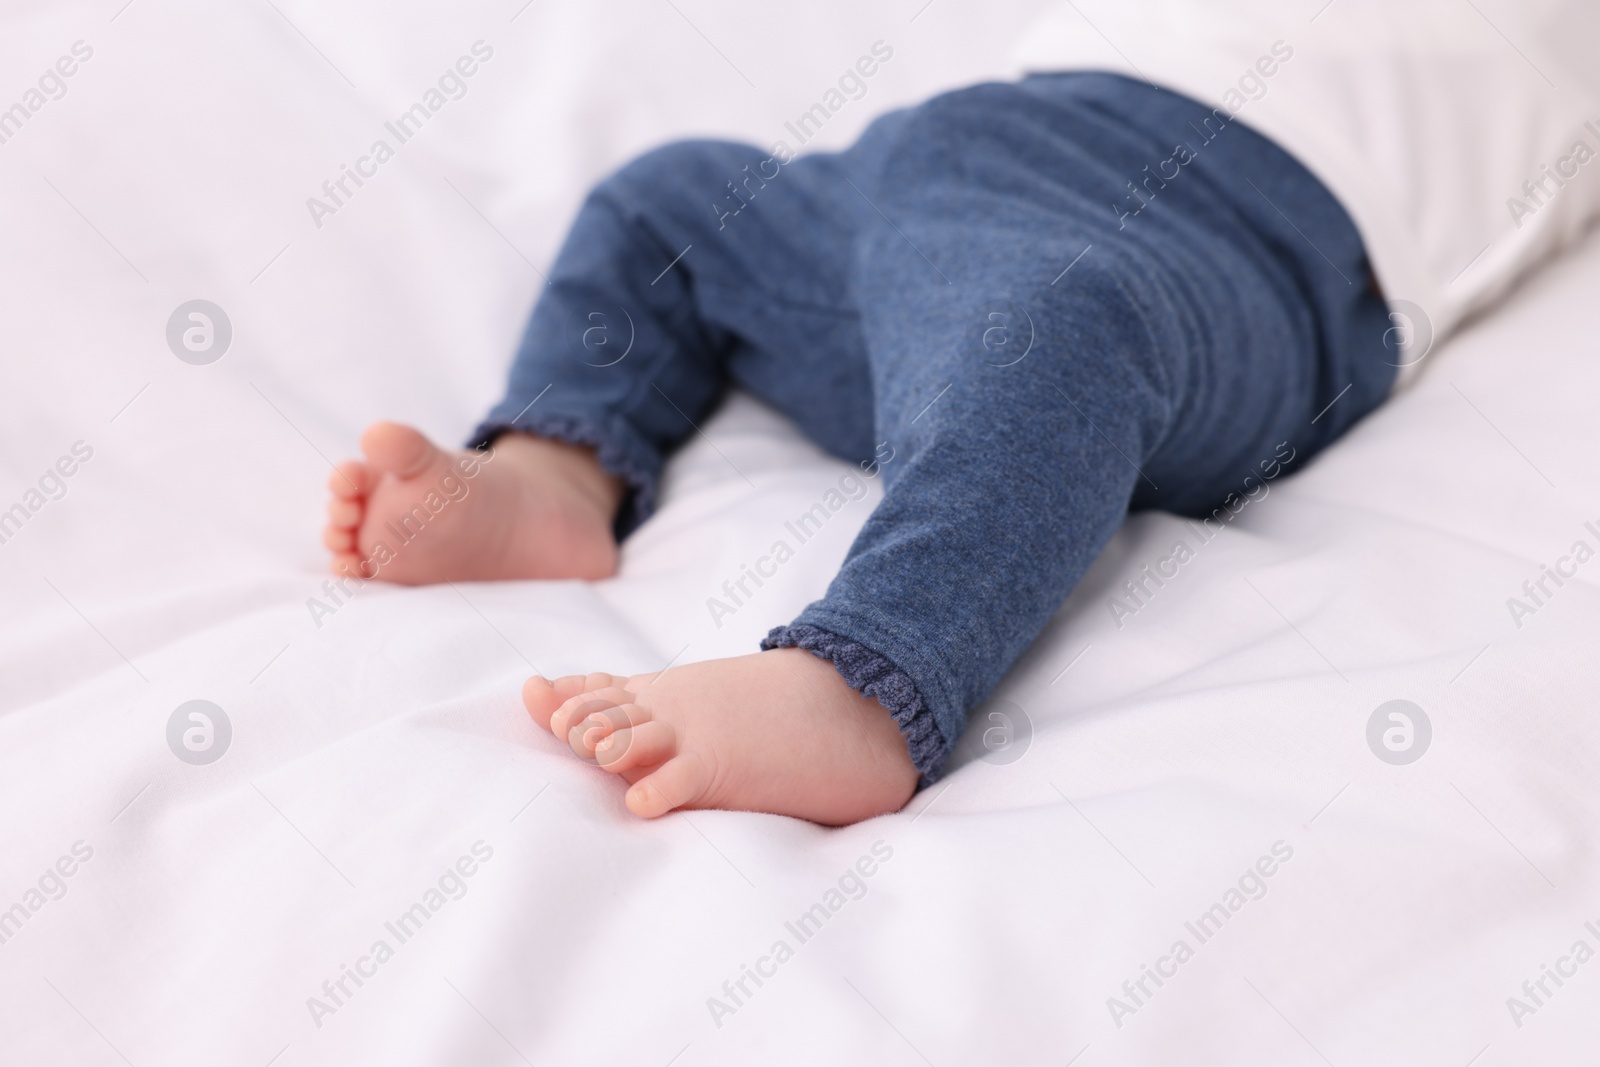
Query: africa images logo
(199, 332)
(1399, 732)
(198, 732)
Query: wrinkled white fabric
(370, 754)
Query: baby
(1055, 300)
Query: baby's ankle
(578, 463)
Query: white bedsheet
(370, 754)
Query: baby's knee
(701, 169)
(951, 129)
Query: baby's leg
(698, 262)
(1036, 368)
(1004, 483)
(1176, 360)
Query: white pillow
(1464, 150)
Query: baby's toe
(542, 697)
(344, 512)
(348, 564)
(340, 540)
(581, 705)
(350, 479)
(646, 745)
(680, 782)
(597, 720)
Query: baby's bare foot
(415, 513)
(777, 731)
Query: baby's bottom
(978, 290)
